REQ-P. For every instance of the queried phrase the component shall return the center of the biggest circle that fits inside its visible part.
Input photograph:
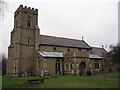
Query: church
(43, 55)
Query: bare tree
(3, 6)
(115, 56)
(3, 64)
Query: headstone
(42, 73)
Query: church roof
(59, 41)
(98, 51)
(93, 56)
(50, 54)
(60, 55)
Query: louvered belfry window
(29, 22)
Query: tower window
(29, 22)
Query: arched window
(58, 67)
(71, 66)
(96, 65)
(67, 66)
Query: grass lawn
(0, 82)
(62, 82)
(110, 74)
(113, 74)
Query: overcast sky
(95, 20)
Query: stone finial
(82, 38)
(102, 46)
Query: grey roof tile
(93, 56)
(59, 41)
(98, 51)
(51, 54)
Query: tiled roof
(98, 51)
(66, 42)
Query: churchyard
(63, 82)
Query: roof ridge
(100, 48)
(62, 37)
(97, 47)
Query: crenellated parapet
(26, 9)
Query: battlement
(26, 9)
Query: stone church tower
(24, 41)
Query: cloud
(96, 21)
